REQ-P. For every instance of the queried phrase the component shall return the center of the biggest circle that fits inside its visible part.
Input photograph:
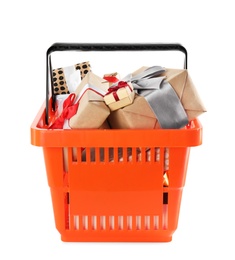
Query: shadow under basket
(116, 185)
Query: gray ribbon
(161, 97)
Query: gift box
(65, 108)
(183, 85)
(119, 95)
(166, 98)
(92, 110)
(112, 78)
(65, 80)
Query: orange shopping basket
(135, 198)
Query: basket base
(72, 237)
(163, 240)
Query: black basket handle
(101, 47)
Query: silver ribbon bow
(161, 97)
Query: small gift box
(112, 78)
(119, 95)
(92, 110)
(65, 80)
(166, 98)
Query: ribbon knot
(115, 88)
(121, 84)
(111, 77)
(69, 110)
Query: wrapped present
(92, 110)
(112, 78)
(165, 98)
(59, 104)
(65, 109)
(119, 95)
(65, 80)
(183, 85)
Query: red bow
(110, 78)
(121, 84)
(69, 110)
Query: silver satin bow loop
(161, 97)
(146, 74)
(150, 84)
(150, 72)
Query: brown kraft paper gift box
(92, 111)
(140, 115)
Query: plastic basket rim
(186, 137)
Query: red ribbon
(69, 110)
(121, 84)
(111, 79)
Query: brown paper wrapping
(137, 115)
(92, 111)
(183, 85)
(140, 115)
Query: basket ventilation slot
(110, 154)
(116, 222)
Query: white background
(206, 225)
